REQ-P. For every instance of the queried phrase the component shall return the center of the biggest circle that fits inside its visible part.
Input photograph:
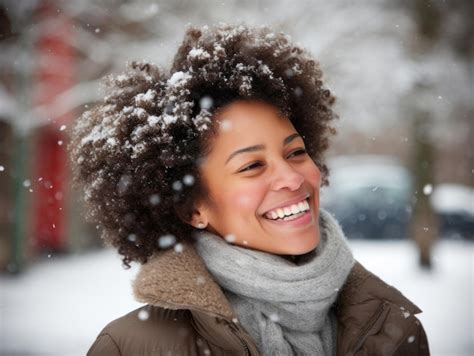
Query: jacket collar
(180, 280)
(362, 286)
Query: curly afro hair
(137, 154)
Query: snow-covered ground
(58, 306)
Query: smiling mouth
(289, 213)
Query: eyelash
(249, 167)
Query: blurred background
(402, 164)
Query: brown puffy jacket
(186, 313)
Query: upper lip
(289, 202)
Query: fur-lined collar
(180, 280)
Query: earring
(201, 225)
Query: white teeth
(280, 213)
(288, 210)
(292, 217)
(295, 209)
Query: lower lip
(303, 220)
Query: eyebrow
(261, 147)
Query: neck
(291, 258)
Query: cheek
(313, 175)
(246, 199)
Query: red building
(53, 75)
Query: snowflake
(198, 53)
(178, 78)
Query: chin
(302, 248)
(302, 251)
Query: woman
(209, 177)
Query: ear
(198, 216)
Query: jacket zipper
(236, 332)
(229, 324)
(380, 312)
(247, 352)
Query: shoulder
(145, 331)
(376, 317)
(363, 285)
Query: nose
(285, 176)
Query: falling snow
(448, 328)
(230, 238)
(188, 179)
(225, 125)
(427, 189)
(154, 199)
(143, 314)
(177, 185)
(274, 317)
(206, 102)
(178, 248)
(166, 241)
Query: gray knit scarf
(284, 305)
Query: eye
(298, 152)
(250, 166)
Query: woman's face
(258, 164)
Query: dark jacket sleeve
(104, 345)
(416, 344)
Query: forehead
(250, 122)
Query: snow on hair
(137, 154)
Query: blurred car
(369, 196)
(454, 205)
